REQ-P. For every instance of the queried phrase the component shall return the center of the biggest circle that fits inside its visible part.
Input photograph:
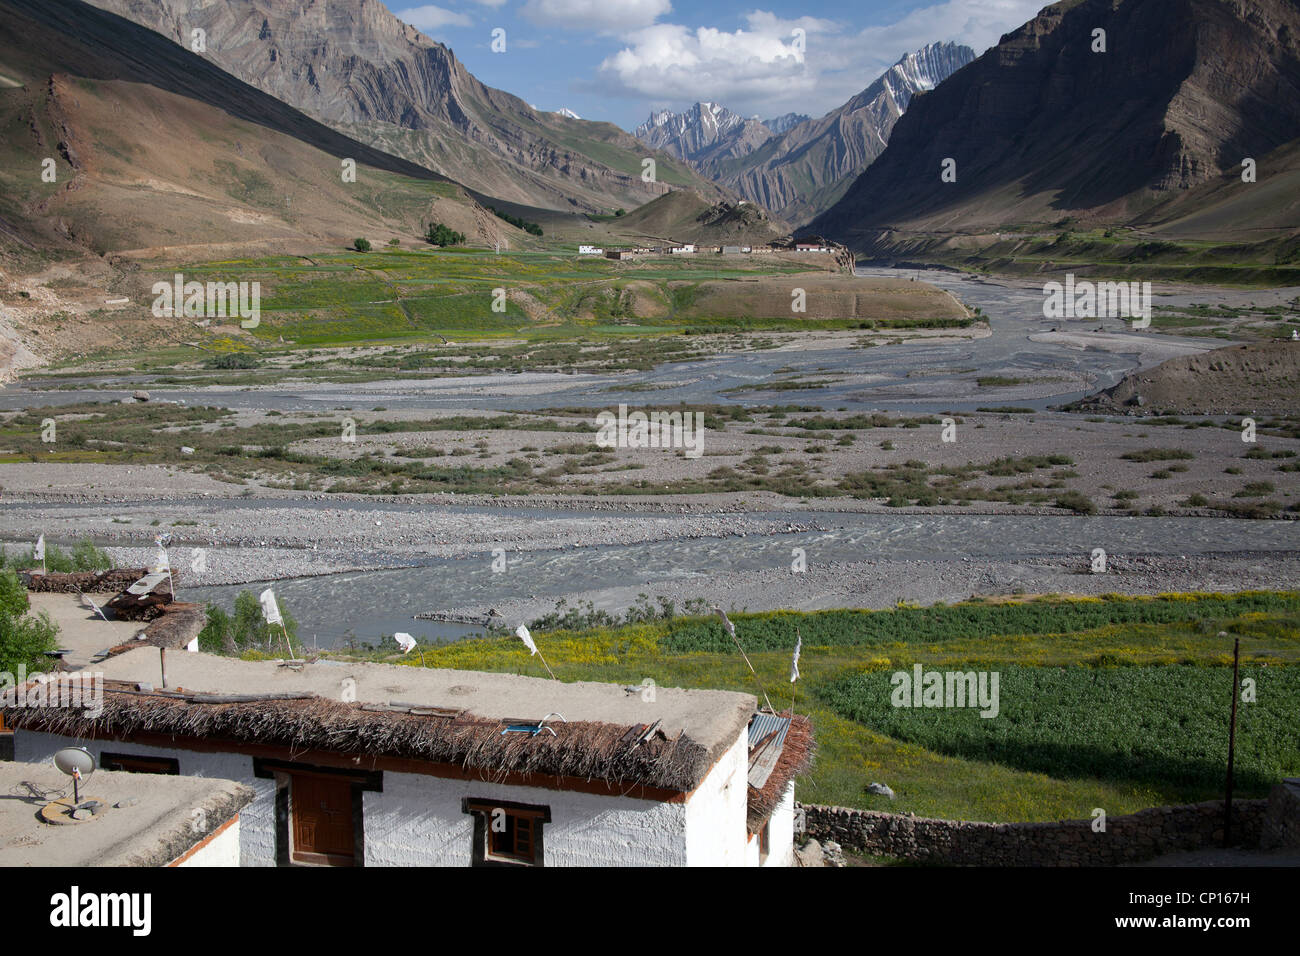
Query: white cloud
(600, 16)
(758, 70)
(429, 18)
(747, 66)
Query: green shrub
(25, 640)
(83, 557)
(361, 245)
(233, 360)
(1076, 502)
(13, 596)
(246, 629)
(1158, 454)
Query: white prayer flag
(406, 641)
(270, 610)
(794, 664)
(160, 563)
(39, 553)
(522, 633)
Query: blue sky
(617, 60)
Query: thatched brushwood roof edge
(581, 749)
(796, 757)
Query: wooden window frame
(481, 810)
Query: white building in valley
(384, 765)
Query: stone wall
(1282, 821)
(1138, 836)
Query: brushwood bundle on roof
(175, 627)
(583, 749)
(87, 582)
(797, 753)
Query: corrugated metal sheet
(766, 739)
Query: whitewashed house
(383, 765)
(590, 251)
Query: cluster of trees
(519, 223)
(246, 629)
(440, 235)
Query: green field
(1119, 703)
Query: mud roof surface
(712, 719)
(154, 825)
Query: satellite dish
(78, 764)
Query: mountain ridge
(1041, 129)
(354, 66)
(801, 170)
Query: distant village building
(682, 250)
(382, 765)
(618, 254)
(732, 250)
(590, 251)
(810, 247)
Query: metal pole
(1232, 744)
(162, 657)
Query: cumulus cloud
(600, 16)
(670, 62)
(430, 18)
(760, 70)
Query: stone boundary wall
(1135, 837)
(1282, 822)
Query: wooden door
(322, 820)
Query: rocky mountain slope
(705, 134)
(154, 146)
(785, 122)
(120, 150)
(1042, 130)
(356, 67)
(805, 170)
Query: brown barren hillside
(1042, 129)
(1262, 378)
(353, 65)
(153, 147)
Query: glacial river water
(379, 602)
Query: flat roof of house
(609, 731)
(149, 819)
(709, 717)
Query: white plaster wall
(715, 812)
(781, 832)
(221, 850)
(257, 819)
(417, 821)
